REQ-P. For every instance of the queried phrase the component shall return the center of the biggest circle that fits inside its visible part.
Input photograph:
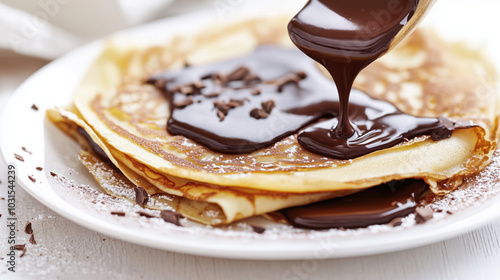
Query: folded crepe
(127, 119)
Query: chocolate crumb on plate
(171, 217)
(258, 229)
(18, 157)
(141, 196)
(32, 178)
(34, 107)
(144, 214)
(27, 151)
(422, 215)
(28, 229)
(32, 239)
(121, 214)
(53, 173)
(39, 168)
(22, 254)
(19, 247)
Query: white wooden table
(68, 251)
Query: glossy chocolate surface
(377, 205)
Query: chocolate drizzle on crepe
(224, 113)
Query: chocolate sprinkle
(258, 229)
(28, 229)
(144, 214)
(396, 222)
(268, 106)
(26, 150)
(18, 157)
(32, 178)
(141, 196)
(19, 247)
(288, 79)
(422, 215)
(238, 74)
(184, 103)
(39, 168)
(34, 107)
(256, 91)
(221, 115)
(22, 254)
(53, 173)
(259, 114)
(171, 217)
(32, 239)
(121, 214)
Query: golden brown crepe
(423, 76)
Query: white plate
(21, 126)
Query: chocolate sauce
(377, 205)
(93, 146)
(220, 113)
(345, 36)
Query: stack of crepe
(127, 119)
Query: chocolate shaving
(32, 239)
(171, 217)
(144, 214)
(34, 107)
(257, 113)
(28, 229)
(396, 222)
(26, 150)
(235, 103)
(252, 79)
(39, 168)
(141, 196)
(301, 74)
(287, 80)
(19, 247)
(219, 79)
(268, 106)
(184, 103)
(32, 178)
(212, 95)
(53, 174)
(238, 74)
(258, 229)
(422, 215)
(18, 157)
(221, 115)
(23, 253)
(222, 106)
(121, 214)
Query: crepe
(423, 76)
